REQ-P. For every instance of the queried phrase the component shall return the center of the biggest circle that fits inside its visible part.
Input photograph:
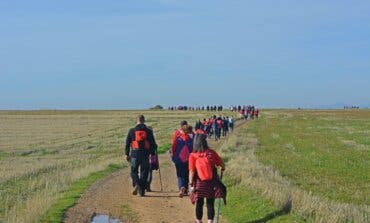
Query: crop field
(42, 153)
(287, 166)
(316, 161)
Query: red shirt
(214, 158)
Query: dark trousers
(210, 208)
(219, 133)
(182, 172)
(139, 162)
(150, 176)
(215, 131)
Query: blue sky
(117, 54)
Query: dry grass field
(43, 152)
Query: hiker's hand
(128, 158)
(192, 189)
(222, 169)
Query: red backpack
(204, 167)
(141, 140)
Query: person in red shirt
(203, 179)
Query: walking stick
(160, 177)
(159, 171)
(219, 203)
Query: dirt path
(112, 196)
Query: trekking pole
(159, 171)
(219, 203)
(160, 177)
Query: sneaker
(182, 192)
(134, 192)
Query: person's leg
(144, 169)
(199, 208)
(134, 174)
(210, 208)
(150, 177)
(186, 176)
(179, 175)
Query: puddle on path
(104, 219)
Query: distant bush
(157, 107)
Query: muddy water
(104, 219)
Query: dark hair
(141, 118)
(200, 143)
(182, 123)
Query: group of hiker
(196, 108)
(234, 108)
(194, 160)
(216, 126)
(249, 112)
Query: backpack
(154, 162)
(204, 167)
(141, 140)
(183, 149)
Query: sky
(129, 54)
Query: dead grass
(43, 152)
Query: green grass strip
(245, 205)
(56, 212)
(164, 148)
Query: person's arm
(191, 170)
(174, 144)
(128, 144)
(153, 144)
(218, 161)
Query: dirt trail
(112, 196)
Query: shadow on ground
(285, 210)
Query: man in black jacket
(140, 141)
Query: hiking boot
(141, 192)
(210, 221)
(198, 221)
(134, 192)
(182, 192)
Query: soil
(113, 196)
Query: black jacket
(131, 137)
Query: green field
(325, 152)
(315, 161)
